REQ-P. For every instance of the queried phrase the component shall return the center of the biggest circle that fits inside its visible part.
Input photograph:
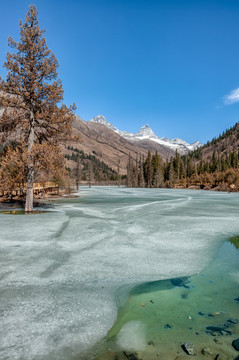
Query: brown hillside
(223, 145)
(110, 147)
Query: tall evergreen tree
(141, 172)
(148, 170)
(30, 96)
(118, 173)
(129, 171)
(90, 174)
(177, 166)
(77, 173)
(171, 174)
(157, 170)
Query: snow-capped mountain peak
(146, 133)
(100, 119)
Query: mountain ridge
(146, 133)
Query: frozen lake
(64, 273)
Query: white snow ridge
(146, 133)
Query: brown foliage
(13, 170)
(30, 96)
(49, 166)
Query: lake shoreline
(6, 204)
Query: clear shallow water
(159, 317)
(65, 273)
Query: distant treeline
(184, 171)
(214, 165)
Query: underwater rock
(217, 342)
(235, 344)
(217, 330)
(220, 357)
(233, 321)
(189, 348)
(201, 313)
(214, 314)
(237, 299)
(180, 282)
(132, 356)
(168, 326)
(151, 343)
(207, 352)
(184, 296)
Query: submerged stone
(189, 348)
(180, 282)
(214, 314)
(207, 352)
(217, 341)
(168, 326)
(184, 296)
(237, 299)
(221, 357)
(132, 356)
(233, 321)
(235, 344)
(217, 330)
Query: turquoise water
(91, 278)
(160, 317)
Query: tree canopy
(31, 96)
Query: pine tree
(77, 173)
(148, 170)
(141, 172)
(171, 174)
(30, 95)
(130, 172)
(128, 168)
(136, 172)
(177, 166)
(118, 173)
(158, 175)
(90, 174)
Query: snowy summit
(146, 133)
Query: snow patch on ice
(131, 337)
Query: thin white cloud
(231, 98)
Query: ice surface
(63, 272)
(131, 336)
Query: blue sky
(173, 64)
